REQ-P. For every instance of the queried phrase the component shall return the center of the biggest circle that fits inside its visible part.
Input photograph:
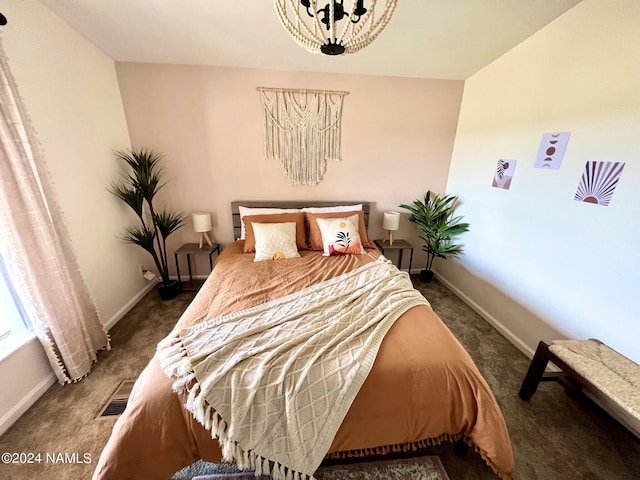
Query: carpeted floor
(554, 436)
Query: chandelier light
(332, 27)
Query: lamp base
(205, 238)
(389, 237)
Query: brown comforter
(423, 387)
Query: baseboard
(27, 401)
(108, 325)
(494, 322)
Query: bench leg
(535, 372)
(571, 387)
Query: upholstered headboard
(235, 212)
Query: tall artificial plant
(435, 217)
(138, 188)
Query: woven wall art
(302, 130)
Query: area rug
(419, 468)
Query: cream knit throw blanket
(274, 382)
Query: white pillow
(275, 241)
(260, 211)
(340, 236)
(339, 208)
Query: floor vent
(118, 401)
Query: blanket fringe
(249, 460)
(399, 447)
(174, 359)
(487, 460)
(418, 445)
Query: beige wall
(537, 263)
(397, 137)
(71, 92)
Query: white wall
(71, 92)
(537, 262)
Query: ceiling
(447, 39)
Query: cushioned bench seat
(612, 379)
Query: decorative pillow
(297, 218)
(260, 211)
(340, 236)
(275, 241)
(339, 208)
(315, 235)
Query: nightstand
(398, 244)
(189, 249)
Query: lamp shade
(201, 222)
(391, 221)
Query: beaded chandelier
(334, 28)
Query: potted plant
(139, 186)
(435, 217)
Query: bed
(422, 388)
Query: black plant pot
(426, 276)
(168, 291)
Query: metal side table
(189, 249)
(398, 244)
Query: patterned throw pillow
(315, 235)
(340, 236)
(275, 241)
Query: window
(5, 329)
(12, 317)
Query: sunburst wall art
(504, 173)
(551, 151)
(598, 182)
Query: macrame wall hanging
(302, 131)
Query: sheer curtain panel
(37, 249)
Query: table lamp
(202, 224)
(391, 222)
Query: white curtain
(37, 249)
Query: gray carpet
(554, 436)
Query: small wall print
(551, 151)
(598, 182)
(504, 174)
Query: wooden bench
(611, 379)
